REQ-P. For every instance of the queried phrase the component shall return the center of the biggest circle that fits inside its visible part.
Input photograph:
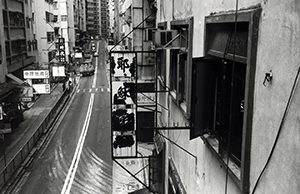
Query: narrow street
(78, 158)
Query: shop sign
(29, 99)
(41, 88)
(36, 74)
(58, 71)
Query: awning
(6, 89)
(14, 78)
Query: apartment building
(104, 18)
(93, 18)
(79, 21)
(17, 42)
(64, 24)
(18, 47)
(44, 30)
(227, 84)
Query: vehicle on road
(87, 67)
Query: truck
(87, 67)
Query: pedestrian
(64, 86)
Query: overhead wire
(279, 130)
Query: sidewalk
(19, 143)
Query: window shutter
(202, 104)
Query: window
(222, 91)
(221, 109)
(50, 37)
(161, 62)
(55, 18)
(5, 18)
(64, 18)
(16, 19)
(55, 5)
(18, 47)
(178, 74)
(49, 17)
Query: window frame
(240, 175)
(185, 48)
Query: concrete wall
(278, 50)
(41, 29)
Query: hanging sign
(58, 71)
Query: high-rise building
(93, 18)
(18, 43)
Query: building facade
(93, 17)
(64, 24)
(18, 47)
(18, 43)
(79, 21)
(43, 15)
(227, 118)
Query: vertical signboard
(61, 50)
(123, 100)
(133, 98)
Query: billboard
(36, 74)
(42, 88)
(58, 71)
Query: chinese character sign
(123, 65)
(36, 74)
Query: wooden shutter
(203, 84)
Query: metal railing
(18, 159)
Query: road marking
(73, 168)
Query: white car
(96, 54)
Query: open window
(219, 95)
(222, 91)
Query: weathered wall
(278, 50)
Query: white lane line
(72, 170)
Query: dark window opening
(218, 103)
(173, 70)
(182, 59)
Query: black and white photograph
(149, 97)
